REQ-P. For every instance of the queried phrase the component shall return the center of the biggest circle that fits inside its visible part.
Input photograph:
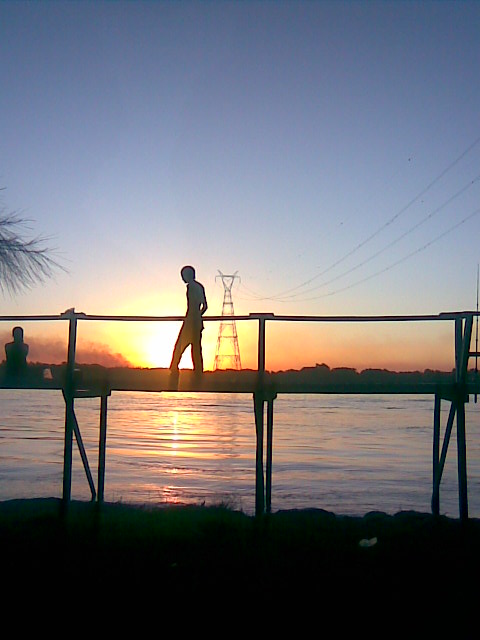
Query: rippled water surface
(348, 454)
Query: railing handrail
(67, 315)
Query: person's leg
(197, 357)
(180, 346)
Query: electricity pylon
(227, 353)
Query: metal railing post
(261, 346)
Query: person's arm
(203, 304)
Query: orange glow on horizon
(394, 346)
(292, 347)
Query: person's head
(17, 334)
(188, 273)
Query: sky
(328, 153)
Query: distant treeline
(94, 375)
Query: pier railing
(455, 391)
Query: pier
(452, 390)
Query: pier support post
(463, 336)
(263, 476)
(438, 468)
(258, 407)
(268, 471)
(102, 447)
(69, 407)
(463, 329)
(67, 450)
(83, 455)
(462, 462)
(436, 455)
(258, 402)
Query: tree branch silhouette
(24, 262)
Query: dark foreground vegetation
(310, 559)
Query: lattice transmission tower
(227, 353)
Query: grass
(218, 555)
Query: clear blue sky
(281, 140)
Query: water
(348, 454)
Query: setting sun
(153, 346)
(158, 351)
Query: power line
(397, 262)
(390, 244)
(389, 222)
(255, 295)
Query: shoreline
(195, 551)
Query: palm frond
(24, 262)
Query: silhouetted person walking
(16, 353)
(192, 327)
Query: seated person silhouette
(192, 327)
(16, 353)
